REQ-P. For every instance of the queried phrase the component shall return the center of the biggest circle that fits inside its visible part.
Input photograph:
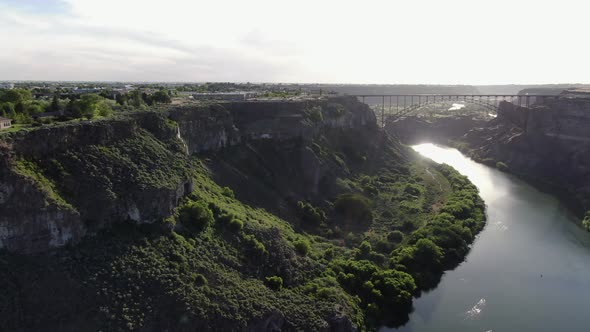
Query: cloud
(38, 7)
(421, 41)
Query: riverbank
(545, 145)
(525, 271)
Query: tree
(147, 99)
(73, 109)
(54, 106)
(121, 99)
(19, 108)
(354, 207)
(135, 99)
(161, 97)
(274, 282)
(92, 105)
(7, 108)
(89, 105)
(302, 247)
(15, 96)
(428, 253)
(196, 215)
(34, 109)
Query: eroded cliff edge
(240, 216)
(59, 183)
(547, 144)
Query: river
(528, 270)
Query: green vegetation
(274, 282)
(370, 228)
(31, 171)
(311, 215)
(302, 247)
(586, 221)
(314, 115)
(33, 108)
(354, 207)
(196, 215)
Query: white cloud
(420, 41)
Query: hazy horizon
(451, 42)
(292, 83)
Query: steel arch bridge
(393, 107)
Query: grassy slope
(422, 217)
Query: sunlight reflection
(476, 310)
(456, 107)
(482, 176)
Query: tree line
(20, 105)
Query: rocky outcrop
(61, 182)
(30, 220)
(547, 143)
(213, 127)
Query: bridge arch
(396, 106)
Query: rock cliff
(251, 216)
(59, 183)
(547, 143)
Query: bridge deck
(406, 103)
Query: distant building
(5, 123)
(230, 96)
(8, 86)
(86, 90)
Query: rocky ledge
(61, 182)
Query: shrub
(383, 246)
(274, 282)
(428, 253)
(196, 215)
(370, 190)
(230, 221)
(408, 225)
(310, 214)
(314, 114)
(226, 191)
(302, 247)
(354, 207)
(413, 189)
(425, 255)
(200, 280)
(395, 237)
(236, 225)
(329, 253)
(365, 248)
(170, 222)
(586, 221)
(254, 247)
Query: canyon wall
(59, 183)
(547, 143)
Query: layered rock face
(548, 143)
(59, 183)
(213, 127)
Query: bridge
(395, 106)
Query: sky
(304, 41)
